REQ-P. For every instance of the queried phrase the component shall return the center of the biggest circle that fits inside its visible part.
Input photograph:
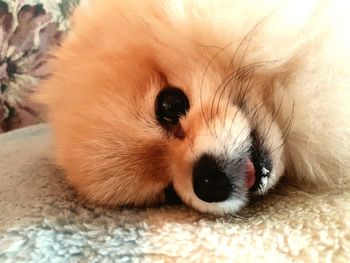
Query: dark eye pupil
(171, 104)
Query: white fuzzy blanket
(41, 220)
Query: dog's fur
(286, 61)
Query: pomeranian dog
(210, 100)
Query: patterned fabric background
(28, 29)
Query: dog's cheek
(112, 167)
(152, 158)
(146, 163)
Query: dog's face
(154, 106)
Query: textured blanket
(42, 220)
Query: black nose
(210, 182)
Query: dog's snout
(210, 182)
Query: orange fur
(120, 54)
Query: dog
(210, 101)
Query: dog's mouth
(259, 166)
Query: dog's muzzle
(217, 179)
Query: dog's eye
(171, 104)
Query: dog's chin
(229, 206)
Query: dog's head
(152, 97)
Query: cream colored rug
(42, 221)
